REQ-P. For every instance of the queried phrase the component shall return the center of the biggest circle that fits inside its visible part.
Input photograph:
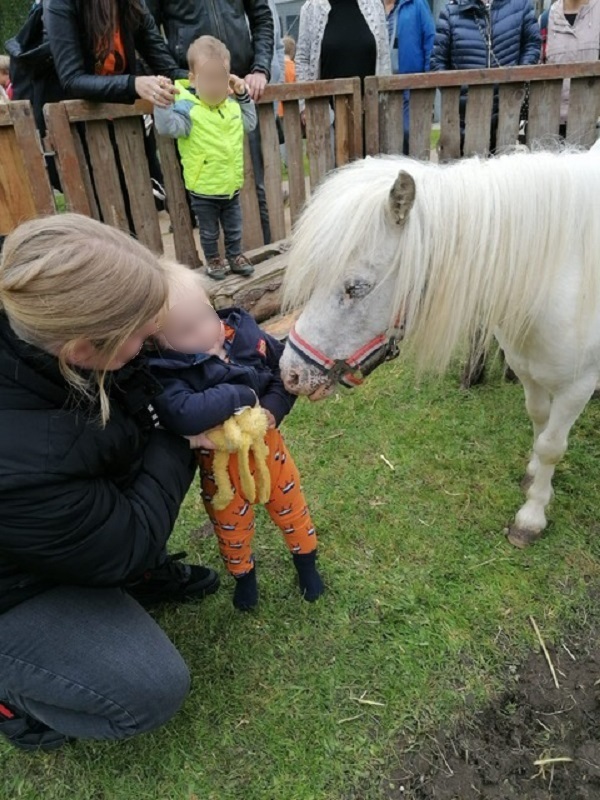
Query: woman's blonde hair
(68, 278)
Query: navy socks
(311, 583)
(245, 597)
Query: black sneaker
(27, 733)
(174, 582)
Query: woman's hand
(157, 89)
(256, 83)
(200, 442)
(272, 423)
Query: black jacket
(73, 73)
(202, 391)
(80, 504)
(245, 26)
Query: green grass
(427, 605)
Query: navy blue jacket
(202, 391)
(462, 35)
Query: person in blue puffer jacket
(473, 34)
(411, 32)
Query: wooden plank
(544, 111)
(371, 101)
(17, 203)
(306, 90)
(391, 122)
(129, 134)
(33, 157)
(69, 161)
(510, 100)
(584, 110)
(478, 119)
(5, 118)
(105, 175)
(179, 213)
(341, 107)
(357, 122)
(449, 143)
(272, 164)
(473, 77)
(421, 119)
(294, 148)
(318, 139)
(252, 235)
(84, 111)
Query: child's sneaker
(311, 583)
(241, 266)
(216, 268)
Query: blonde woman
(342, 39)
(89, 491)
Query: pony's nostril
(292, 379)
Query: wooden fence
(384, 97)
(99, 152)
(24, 185)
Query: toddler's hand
(272, 423)
(237, 85)
(200, 442)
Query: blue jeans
(90, 663)
(213, 213)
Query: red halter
(353, 370)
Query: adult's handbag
(29, 50)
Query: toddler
(208, 119)
(212, 365)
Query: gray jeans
(254, 142)
(90, 663)
(213, 214)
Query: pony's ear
(402, 197)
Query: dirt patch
(493, 755)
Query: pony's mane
(481, 247)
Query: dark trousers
(254, 142)
(213, 213)
(90, 663)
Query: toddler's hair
(207, 47)
(67, 277)
(4, 63)
(182, 280)
(289, 46)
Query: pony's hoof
(526, 481)
(522, 537)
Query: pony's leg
(537, 402)
(549, 448)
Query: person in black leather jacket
(89, 490)
(83, 67)
(246, 27)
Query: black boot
(27, 733)
(245, 597)
(311, 583)
(174, 582)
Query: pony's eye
(356, 289)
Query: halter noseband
(353, 370)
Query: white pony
(508, 246)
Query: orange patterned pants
(234, 525)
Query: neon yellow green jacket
(210, 140)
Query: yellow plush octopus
(242, 433)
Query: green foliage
(426, 606)
(13, 14)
